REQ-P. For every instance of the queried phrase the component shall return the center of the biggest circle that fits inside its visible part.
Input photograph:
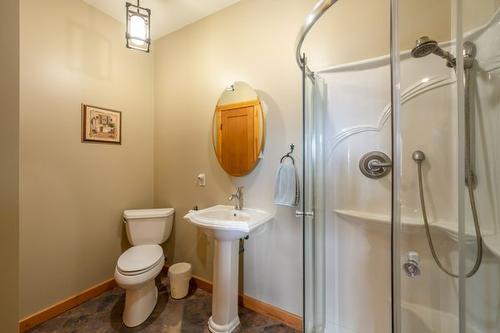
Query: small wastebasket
(179, 275)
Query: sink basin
(226, 225)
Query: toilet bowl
(138, 266)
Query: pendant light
(138, 27)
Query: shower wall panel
(358, 211)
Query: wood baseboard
(65, 305)
(287, 318)
(250, 303)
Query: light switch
(201, 179)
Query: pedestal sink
(226, 225)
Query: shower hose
(479, 240)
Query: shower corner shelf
(376, 218)
(491, 241)
(413, 222)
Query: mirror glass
(238, 129)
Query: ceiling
(166, 15)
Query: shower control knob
(412, 264)
(375, 164)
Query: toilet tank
(148, 226)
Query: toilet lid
(140, 258)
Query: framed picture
(101, 125)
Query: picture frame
(101, 125)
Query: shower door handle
(306, 214)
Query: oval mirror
(238, 129)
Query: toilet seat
(140, 259)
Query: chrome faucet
(238, 198)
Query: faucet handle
(237, 194)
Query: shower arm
(319, 9)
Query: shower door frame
(396, 153)
(311, 207)
(462, 251)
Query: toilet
(138, 267)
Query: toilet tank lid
(147, 213)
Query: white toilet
(138, 267)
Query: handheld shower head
(425, 46)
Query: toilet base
(139, 304)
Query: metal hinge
(307, 214)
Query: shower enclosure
(401, 174)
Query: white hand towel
(286, 190)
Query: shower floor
(103, 314)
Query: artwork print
(101, 125)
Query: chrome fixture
(419, 157)
(375, 164)
(319, 9)
(242, 243)
(238, 198)
(425, 46)
(138, 33)
(412, 264)
(299, 213)
(288, 155)
(469, 58)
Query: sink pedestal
(226, 226)
(224, 317)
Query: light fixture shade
(138, 27)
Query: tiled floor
(103, 314)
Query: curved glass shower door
(430, 160)
(401, 175)
(449, 154)
(347, 243)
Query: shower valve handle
(375, 164)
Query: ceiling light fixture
(138, 27)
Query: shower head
(425, 46)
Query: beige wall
(358, 29)
(9, 168)
(72, 194)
